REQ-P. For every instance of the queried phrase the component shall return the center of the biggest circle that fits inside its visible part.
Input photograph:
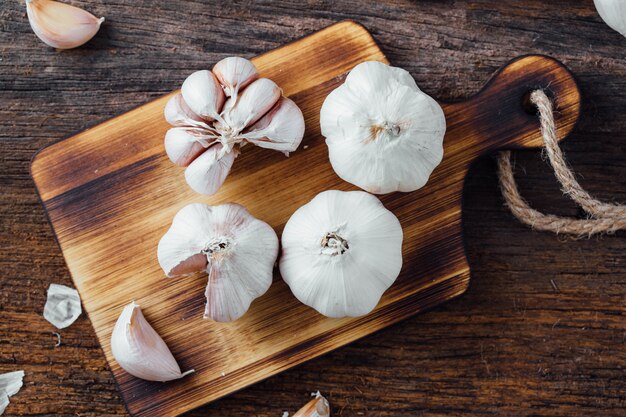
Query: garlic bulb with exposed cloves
(383, 133)
(61, 25)
(613, 12)
(219, 111)
(139, 349)
(341, 251)
(237, 250)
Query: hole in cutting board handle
(528, 106)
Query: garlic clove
(178, 113)
(235, 73)
(613, 12)
(240, 252)
(207, 173)
(60, 25)
(317, 407)
(256, 100)
(139, 349)
(382, 134)
(181, 146)
(282, 128)
(341, 251)
(62, 306)
(203, 94)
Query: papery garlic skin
(61, 25)
(218, 112)
(340, 252)
(237, 250)
(383, 134)
(139, 349)
(613, 12)
(62, 306)
(317, 407)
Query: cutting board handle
(501, 116)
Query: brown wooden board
(110, 193)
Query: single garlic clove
(203, 94)
(282, 128)
(382, 133)
(139, 349)
(181, 146)
(317, 407)
(256, 100)
(239, 252)
(613, 12)
(235, 73)
(341, 251)
(178, 113)
(207, 173)
(60, 25)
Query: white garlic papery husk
(341, 251)
(237, 251)
(61, 25)
(139, 349)
(613, 12)
(62, 306)
(383, 134)
(219, 111)
(10, 384)
(317, 407)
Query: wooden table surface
(542, 329)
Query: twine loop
(603, 217)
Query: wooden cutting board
(110, 193)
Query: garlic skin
(383, 134)
(317, 407)
(218, 112)
(613, 12)
(62, 306)
(61, 25)
(341, 251)
(139, 349)
(237, 251)
(10, 384)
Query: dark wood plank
(512, 345)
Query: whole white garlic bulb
(383, 133)
(61, 25)
(219, 111)
(139, 349)
(613, 12)
(341, 251)
(237, 250)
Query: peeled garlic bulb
(139, 349)
(60, 25)
(383, 134)
(317, 407)
(237, 250)
(341, 251)
(210, 128)
(613, 12)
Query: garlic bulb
(60, 25)
(219, 111)
(237, 250)
(383, 134)
(613, 12)
(317, 407)
(341, 251)
(139, 349)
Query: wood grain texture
(110, 193)
(540, 330)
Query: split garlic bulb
(341, 251)
(613, 12)
(139, 349)
(237, 250)
(219, 111)
(61, 25)
(383, 133)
